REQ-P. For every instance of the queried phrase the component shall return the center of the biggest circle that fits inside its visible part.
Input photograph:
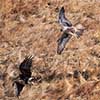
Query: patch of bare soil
(30, 27)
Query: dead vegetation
(30, 27)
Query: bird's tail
(79, 30)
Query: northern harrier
(68, 31)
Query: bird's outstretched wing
(62, 42)
(25, 69)
(62, 19)
(18, 88)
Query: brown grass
(29, 27)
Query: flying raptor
(25, 69)
(68, 30)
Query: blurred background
(30, 27)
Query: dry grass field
(30, 27)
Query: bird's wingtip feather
(62, 9)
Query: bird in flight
(68, 30)
(25, 69)
(66, 24)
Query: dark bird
(65, 37)
(66, 24)
(25, 69)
